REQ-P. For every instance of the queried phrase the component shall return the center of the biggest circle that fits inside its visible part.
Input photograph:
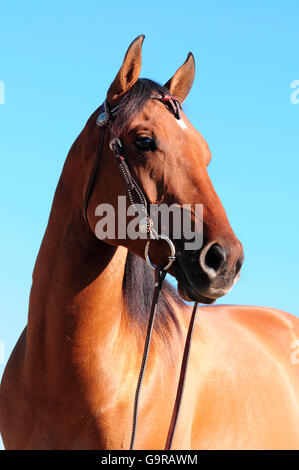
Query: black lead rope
(180, 388)
(159, 278)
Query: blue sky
(57, 61)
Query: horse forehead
(154, 113)
(155, 116)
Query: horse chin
(186, 289)
(191, 295)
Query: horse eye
(144, 143)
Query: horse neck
(76, 294)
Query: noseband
(139, 203)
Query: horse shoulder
(242, 385)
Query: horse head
(168, 158)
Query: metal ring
(171, 257)
(113, 142)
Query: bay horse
(70, 380)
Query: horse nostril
(214, 258)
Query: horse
(70, 380)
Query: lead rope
(180, 388)
(159, 278)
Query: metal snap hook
(171, 257)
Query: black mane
(133, 101)
(138, 288)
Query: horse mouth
(191, 295)
(186, 288)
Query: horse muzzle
(209, 273)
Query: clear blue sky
(57, 61)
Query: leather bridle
(139, 203)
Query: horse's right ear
(128, 73)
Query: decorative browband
(106, 114)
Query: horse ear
(181, 82)
(128, 73)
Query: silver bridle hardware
(114, 142)
(171, 257)
(146, 222)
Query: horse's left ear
(181, 83)
(128, 73)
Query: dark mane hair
(133, 101)
(138, 288)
